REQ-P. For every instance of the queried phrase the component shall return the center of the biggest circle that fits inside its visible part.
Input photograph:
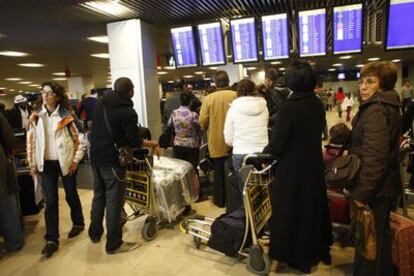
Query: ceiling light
(199, 72)
(34, 65)
(206, 79)
(162, 73)
(276, 62)
(34, 85)
(13, 54)
(188, 76)
(345, 57)
(59, 74)
(100, 39)
(107, 7)
(3, 88)
(25, 82)
(59, 79)
(374, 59)
(13, 79)
(20, 91)
(360, 65)
(171, 81)
(213, 68)
(396, 60)
(229, 56)
(100, 55)
(169, 67)
(337, 64)
(158, 68)
(331, 69)
(12, 90)
(251, 68)
(282, 68)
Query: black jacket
(275, 96)
(8, 182)
(14, 117)
(375, 139)
(123, 121)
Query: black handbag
(125, 154)
(166, 137)
(342, 171)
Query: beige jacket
(212, 117)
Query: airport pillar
(77, 86)
(132, 54)
(235, 71)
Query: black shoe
(125, 247)
(95, 240)
(76, 230)
(303, 268)
(49, 249)
(326, 259)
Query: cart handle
(258, 159)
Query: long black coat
(301, 231)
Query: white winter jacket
(348, 102)
(70, 140)
(245, 128)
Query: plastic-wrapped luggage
(176, 186)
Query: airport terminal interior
(86, 46)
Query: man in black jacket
(109, 187)
(18, 116)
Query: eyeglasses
(47, 93)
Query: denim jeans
(237, 159)
(50, 175)
(109, 193)
(10, 223)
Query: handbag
(125, 154)
(342, 171)
(166, 137)
(363, 233)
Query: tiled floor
(171, 253)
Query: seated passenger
(339, 135)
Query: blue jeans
(109, 193)
(10, 223)
(50, 175)
(237, 159)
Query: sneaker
(125, 247)
(76, 230)
(49, 249)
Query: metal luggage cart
(257, 205)
(140, 194)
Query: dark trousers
(405, 103)
(191, 155)
(348, 113)
(109, 193)
(220, 179)
(10, 223)
(50, 175)
(383, 262)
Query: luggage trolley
(256, 199)
(140, 193)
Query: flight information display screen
(244, 40)
(312, 33)
(211, 44)
(184, 47)
(348, 29)
(400, 32)
(275, 36)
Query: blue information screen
(244, 40)
(312, 33)
(348, 29)
(400, 33)
(211, 44)
(275, 36)
(184, 47)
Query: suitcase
(233, 194)
(28, 204)
(339, 207)
(402, 230)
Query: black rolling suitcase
(27, 195)
(233, 195)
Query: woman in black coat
(301, 232)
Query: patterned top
(186, 127)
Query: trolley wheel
(257, 262)
(150, 229)
(197, 242)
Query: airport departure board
(211, 44)
(400, 30)
(275, 36)
(312, 33)
(244, 40)
(348, 29)
(184, 47)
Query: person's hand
(346, 153)
(34, 171)
(156, 149)
(359, 204)
(73, 168)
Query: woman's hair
(59, 91)
(340, 89)
(246, 88)
(385, 71)
(300, 77)
(185, 98)
(271, 74)
(339, 134)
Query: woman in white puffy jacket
(245, 128)
(347, 105)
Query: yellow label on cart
(138, 188)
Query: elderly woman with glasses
(375, 139)
(55, 145)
